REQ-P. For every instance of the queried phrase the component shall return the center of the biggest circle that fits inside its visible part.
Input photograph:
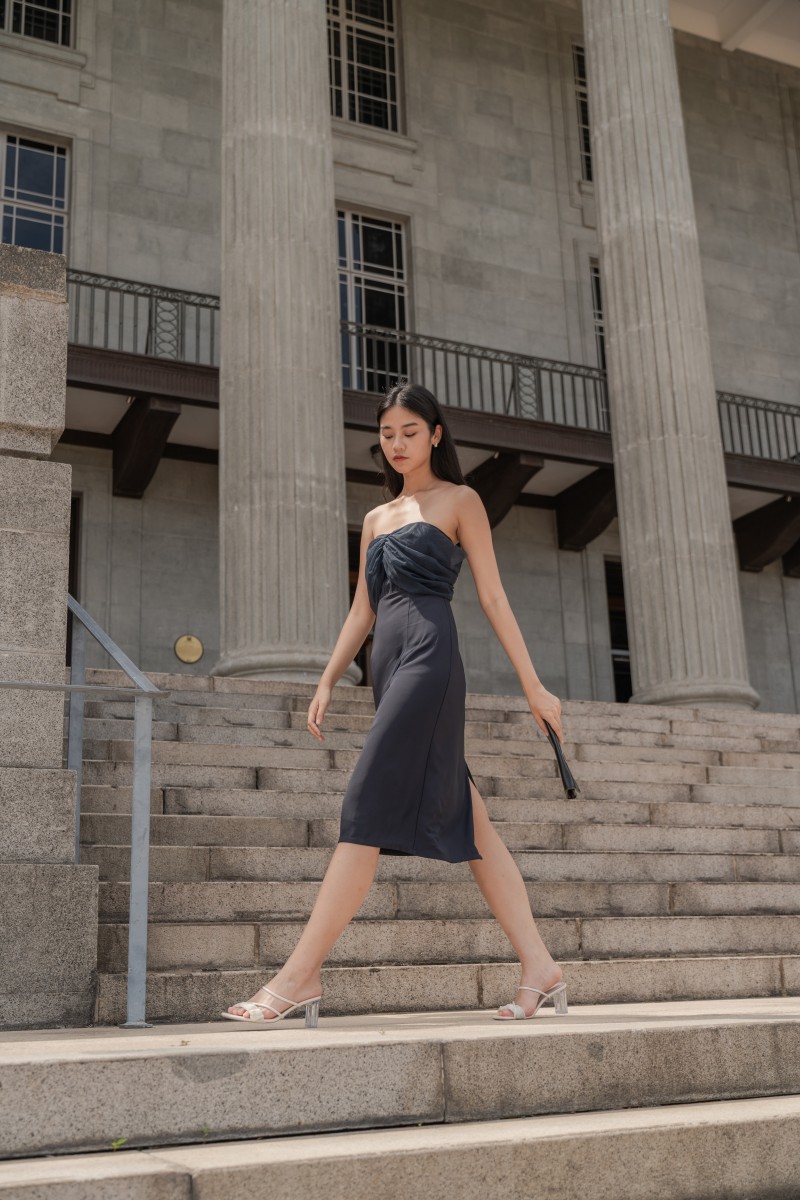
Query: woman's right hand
(317, 709)
(546, 707)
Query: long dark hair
(444, 460)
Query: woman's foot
(538, 975)
(293, 986)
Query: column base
(293, 666)
(719, 694)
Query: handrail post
(140, 863)
(77, 701)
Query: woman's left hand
(546, 707)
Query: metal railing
(759, 428)
(143, 693)
(142, 318)
(475, 377)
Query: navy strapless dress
(409, 791)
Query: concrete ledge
(732, 1148)
(226, 1081)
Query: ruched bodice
(418, 558)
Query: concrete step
(343, 730)
(185, 1083)
(421, 987)
(531, 760)
(214, 690)
(195, 863)
(182, 830)
(419, 939)
(582, 810)
(227, 901)
(467, 940)
(120, 774)
(739, 1149)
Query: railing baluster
(77, 701)
(140, 863)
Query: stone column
(679, 563)
(282, 482)
(48, 904)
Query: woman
(411, 791)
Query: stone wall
(486, 173)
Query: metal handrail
(143, 693)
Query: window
(582, 103)
(618, 626)
(362, 60)
(597, 314)
(48, 20)
(34, 183)
(372, 292)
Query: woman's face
(406, 439)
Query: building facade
(449, 189)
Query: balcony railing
(182, 326)
(142, 318)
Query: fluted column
(283, 534)
(679, 564)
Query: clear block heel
(312, 1014)
(557, 993)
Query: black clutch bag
(570, 786)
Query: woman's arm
(475, 535)
(357, 625)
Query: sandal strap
(251, 1005)
(516, 1009)
(277, 997)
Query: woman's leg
(342, 891)
(503, 888)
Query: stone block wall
(48, 911)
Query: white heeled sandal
(311, 1006)
(557, 993)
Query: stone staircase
(675, 874)
(669, 889)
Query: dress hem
(412, 853)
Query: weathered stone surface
(33, 349)
(38, 815)
(48, 944)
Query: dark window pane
(32, 229)
(380, 308)
(35, 175)
(378, 248)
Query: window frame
(364, 357)
(598, 312)
(580, 89)
(60, 147)
(8, 13)
(339, 22)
